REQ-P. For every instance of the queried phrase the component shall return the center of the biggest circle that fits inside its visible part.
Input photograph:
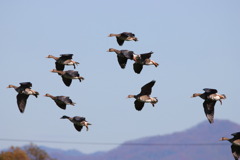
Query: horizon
(117, 145)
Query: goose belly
(129, 39)
(69, 77)
(79, 123)
(237, 142)
(29, 92)
(148, 101)
(69, 63)
(214, 97)
(148, 63)
(145, 99)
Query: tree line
(29, 152)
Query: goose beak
(221, 139)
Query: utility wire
(108, 143)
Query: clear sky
(196, 44)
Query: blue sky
(196, 44)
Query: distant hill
(200, 142)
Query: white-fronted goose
(24, 90)
(78, 122)
(122, 56)
(67, 76)
(142, 59)
(125, 36)
(64, 59)
(235, 147)
(61, 101)
(210, 97)
(144, 96)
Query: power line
(109, 143)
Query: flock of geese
(210, 96)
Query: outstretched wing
(120, 41)
(236, 135)
(122, 61)
(59, 67)
(26, 85)
(72, 73)
(137, 68)
(138, 105)
(235, 151)
(79, 119)
(22, 101)
(146, 55)
(60, 103)
(66, 56)
(65, 99)
(128, 54)
(66, 81)
(210, 91)
(78, 127)
(208, 106)
(147, 88)
(127, 34)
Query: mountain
(197, 143)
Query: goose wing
(66, 81)
(235, 151)
(128, 54)
(59, 66)
(138, 105)
(146, 55)
(210, 91)
(208, 106)
(137, 68)
(72, 73)
(120, 41)
(60, 103)
(66, 56)
(147, 88)
(122, 61)
(22, 101)
(236, 135)
(65, 99)
(25, 85)
(79, 119)
(127, 34)
(78, 127)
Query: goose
(64, 59)
(235, 147)
(142, 59)
(67, 76)
(24, 90)
(61, 101)
(210, 97)
(124, 36)
(144, 96)
(78, 122)
(122, 56)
